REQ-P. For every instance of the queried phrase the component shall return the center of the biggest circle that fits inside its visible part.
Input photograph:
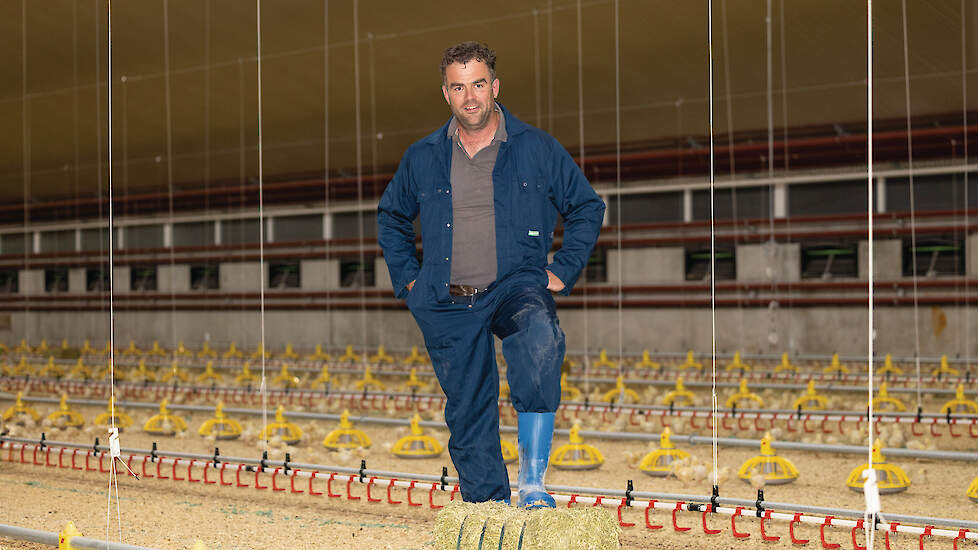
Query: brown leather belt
(463, 290)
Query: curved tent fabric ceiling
(401, 45)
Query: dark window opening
(9, 281)
(742, 203)
(205, 277)
(97, 279)
(356, 275)
(346, 225)
(698, 264)
(836, 197)
(142, 278)
(193, 234)
(596, 270)
(829, 260)
(646, 208)
(58, 241)
(299, 228)
(936, 256)
(284, 274)
(56, 279)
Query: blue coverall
(534, 178)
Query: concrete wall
(648, 265)
(77, 282)
(242, 277)
(31, 281)
(175, 278)
(320, 274)
(887, 259)
(769, 262)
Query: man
(488, 188)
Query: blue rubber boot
(536, 431)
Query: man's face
(470, 94)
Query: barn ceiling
(184, 79)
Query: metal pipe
(52, 539)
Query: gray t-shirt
(474, 235)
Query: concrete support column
(687, 205)
(769, 262)
(77, 282)
(382, 277)
(780, 200)
(175, 278)
(887, 259)
(31, 281)
(320, 274)
(120, 280)
(648, 265)
(880, 194)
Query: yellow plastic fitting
(680, 397)
(810, 400)
(737, 363)
(232, 353)
(290, 433)
(349, 356)
(890, 478)
(318, 354)
(603, 360)
(744, 397)
(647, 362)
(157, 350)
(368, 381)
(64, 416)
(620, 392)
(883, 401)
(289, 353)
(51, 369)
(786, 364)
(164, 423)
(960, 404)
(509, 451)
(220, 426)
(888, 367)
(175, 372)
(206, 352)
(658, 463)
(835, 366)
(416, 444)
(576, 455)
(104, 420)
(209, 375)
(346, 436)
(381, 356)
(285, 378)
(18, 413)
(775, 469)
(568, 392)
(246, 377)
(415, 358)
(944, 369)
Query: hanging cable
(261, 238)
(27, 240)
(328, 218)
(580, 141)
(113, 479)
(621, 326)
(361, 272)
(913, 213)
(713, 290)
(169, 170)
(967, 204)
(869, 518)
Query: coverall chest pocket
(531, 200)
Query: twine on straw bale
(583, 528)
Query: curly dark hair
(469, 51)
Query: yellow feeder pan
(509, 451)
(319, 354)
(157, 350)
(786, 365)
(737, 363)
(51, 370)
(567, 391)
(289, 432)
(132, 349)
(164, 423)
(576, 455)
(412, 382)
(289, 353)
(87, 348)
(246, 377)
(744, 396)
(568, 364)
(890, 478)
(944, 369)
(107, 350)
(349, 356)
(415, 358)
(883, 401)
(65, 348)
(221, 426)
(322, 379)
(888, 367)
(973, 490)
(206, 352)
(346, 436)
(182, 351)
(368, 381)
(381, 356)
(142, 374)
(658, 463)
(259, 351)
(19, 412)
(620, 391)
(6, 369)
(175, 372)
(647, 362)
(43, 348)
(960, 404)
(603, 360)
(285, 378)
(417, 444)
(23, 347)
(811, 401)
(119, 373)
(104, 420)
(680, 397)
(775, 469)
(23, 368)
(232, 353)
(209, 375)
(835, 366)
(80, 371)
(65, 417)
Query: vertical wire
(550, 67)
(536, 65)
(207, 109)
(169, 168)
(241, 180)
(733, 164)
(870, 533)
(112, 476)
(773, 258)
(28, 240)
(326, 203)
(967, 204)
(580, 141)
(261, 235)
(359, 153)
(621, 326)
(913, 213)
(713, 299)
(374, 154)
(786, 154)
